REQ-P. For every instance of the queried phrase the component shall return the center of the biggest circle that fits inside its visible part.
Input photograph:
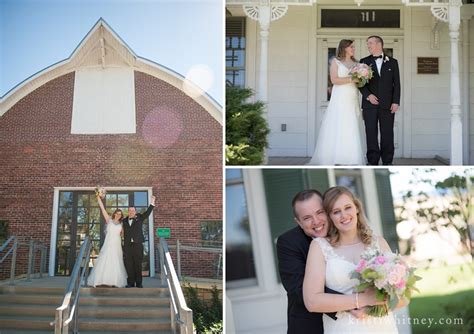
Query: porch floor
(301, 161)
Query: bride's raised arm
(316, 300)
(335, 78)
(102, 209)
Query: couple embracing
(316, 259)
(339, 141)
(110, 269)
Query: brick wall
(178, 147)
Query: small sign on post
(163, 232)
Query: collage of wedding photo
(236, 166)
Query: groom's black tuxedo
(133, 246)
(292, 249)
(135, 231)
(386, 87)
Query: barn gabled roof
(102, 46)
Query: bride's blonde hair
(363, 230)
(341, 49)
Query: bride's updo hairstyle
(341, 49)
(329, 199)
(117, 211)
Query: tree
(246, 128)
(454, 207)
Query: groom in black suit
(380, 102)
(133, 244)
(292, 249)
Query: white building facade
(282, 51)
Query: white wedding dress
(340, 261)
(109, 268)
(340, 136)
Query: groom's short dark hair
(377, 38)
(303, 196)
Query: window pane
(239, 255)
(65, 199)
(141, 209)
(233, 174)
(141, 198)
(94, 215)
(235, 52)
(95, 231)
(82, 215)
(65, 216)
(211, 233)
(331, 55)
(111, 200)
(83, 200)
(123, 199)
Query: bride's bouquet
(363, 72)
(389, 275)
(99, 191)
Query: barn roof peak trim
(102, 46)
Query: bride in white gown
(340, 138)
(330, 262)
(109, 268)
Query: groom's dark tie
(377, 57)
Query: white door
(326, 50)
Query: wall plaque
(428, 65)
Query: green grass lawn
(446, 293)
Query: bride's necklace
(352, 244)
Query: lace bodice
(340, 261)
(113, 228)
(342, 70)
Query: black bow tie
(377, 57)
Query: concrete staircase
(26, 309)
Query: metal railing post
(30, 260)
(13, 265)
(178, 257)
(42, 261)
(162, 263)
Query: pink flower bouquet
(389, 275)
(363, 72)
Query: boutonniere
(385, 59)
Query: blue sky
(179, 34)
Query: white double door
(326, 50)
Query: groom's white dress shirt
(379, 62)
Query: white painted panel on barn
(104, 101)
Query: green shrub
(246, 128)
(207, 315)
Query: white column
(465, 88)
(264, 20)
(264, 13)
(454, 13)
(262, 243)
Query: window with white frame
(235, 51)
(240, 264)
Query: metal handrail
(181, 314)
(67, 312)
(179, 247)
(33, 246)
